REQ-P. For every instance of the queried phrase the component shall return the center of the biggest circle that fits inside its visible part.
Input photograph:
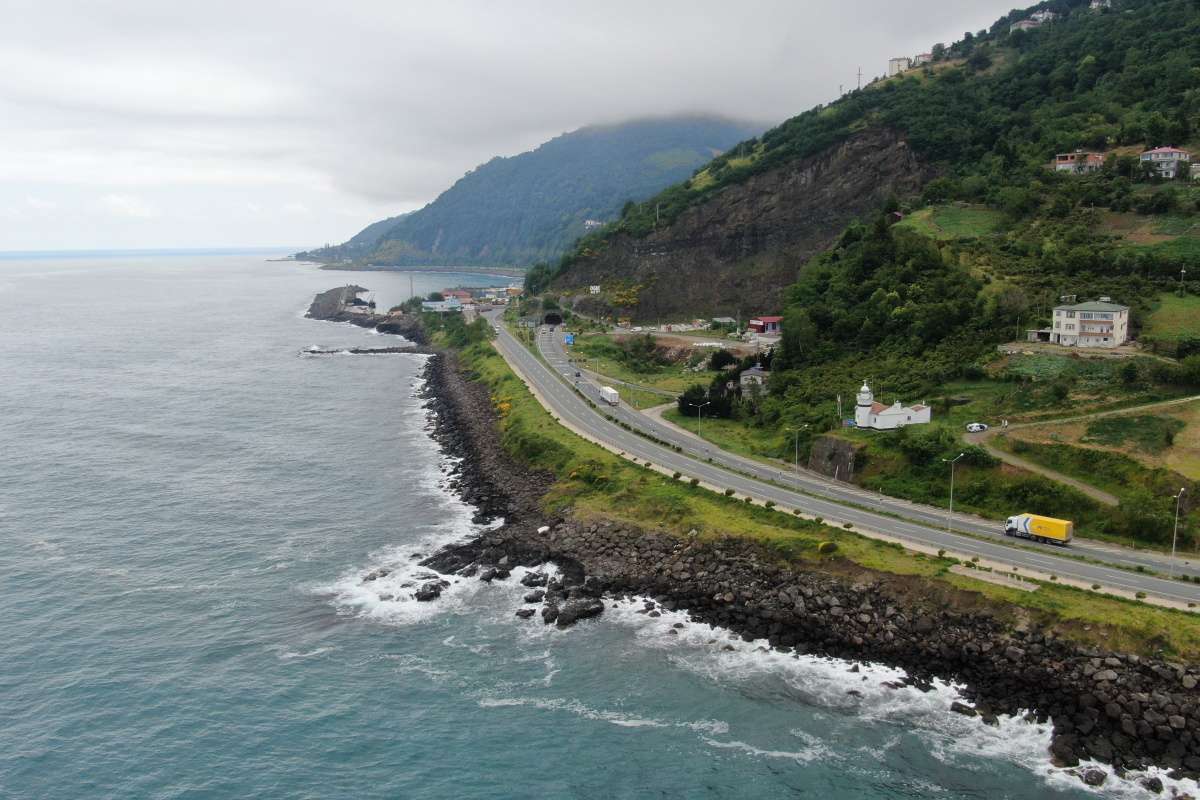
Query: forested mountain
(975, 131)
(530, 207)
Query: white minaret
(862, 407)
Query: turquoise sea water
(187, 506)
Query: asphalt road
(835, 503)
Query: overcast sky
(126, 123)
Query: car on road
(976, 427)
(577, 374)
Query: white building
(1101, 323)
(1166, 160)
(869, 414)
(755, 377)
(594, 289)
(898, 65)
(921, 59)
(442, 306)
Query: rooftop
(1094, 305)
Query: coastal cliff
(738, 251)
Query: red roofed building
(869, 414)
(462, 295)
(1078, 162)
(772, 326)
(1166, 160)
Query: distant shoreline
(499, 272)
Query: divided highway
(919, 525)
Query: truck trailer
(610, 396)
(1039, 528)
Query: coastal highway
(556, 391)
(552, 350)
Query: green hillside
(990, 113)
(531, 207)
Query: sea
(188, 503)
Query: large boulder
(580, 608)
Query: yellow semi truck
(1039, 528)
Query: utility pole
(699, 409)
(1175, 535)
(860, 77)
(1182, 272)
(950, 515)
(797, 453)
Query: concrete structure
(1024, 25)
(1100, 5)
(767, 325)
(869, 414)
(898, 65)
(921, 58)
(1166, 160)
(1041, 17)
(754, 379)
(442, 306)
(594, 289)
(1079, 162)
(1100, 323)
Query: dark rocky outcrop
(338, 305)
(737, 251)
(835, 457)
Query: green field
(602, 355)
(1174, 318)
(953, 222)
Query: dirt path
(1099, 495)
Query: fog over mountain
(143, 124)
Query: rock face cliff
(739, 250)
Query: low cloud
(194, 115)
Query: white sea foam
(825, 682)
(291, 655)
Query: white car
(976, 427)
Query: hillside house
(724, 321)
(442, 306)
(1166, 161)
(1079, 162)
(898, 65)
(921, 59)
(462, 295)
(1195, 171)
(594, 289)
(1100, 5)
(1100, 323)
(880, 417)
(1024, 25)
(1042, 17)
(754, 379)
(769, 326)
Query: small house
(921, 59)
(1023, 25)
(754, 379)
(594, 289)
(1079, 162)
(898, 65)
(769, 326)
(442, 306)
(1166, 161)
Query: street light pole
(699, 409)
(1175, 534)
(950, 515)
(797, 432)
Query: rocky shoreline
(342, 305)
(1110, 708)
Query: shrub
(825, 548)
(1140, 595)
(729, 492)
(796, 511)
(848, 525)
(941, 553)
(1096, 587)
(770, 504)
(748, 500)
(677, 475)
(694, 481)
(819, 520)
(1053, 577)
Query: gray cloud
(141, 123)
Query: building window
(1070, 315)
